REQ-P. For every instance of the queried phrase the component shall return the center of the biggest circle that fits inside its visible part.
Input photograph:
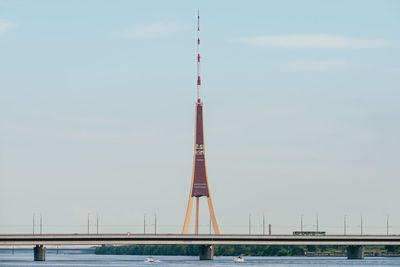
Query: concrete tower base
(206, 252)
(39, 253)
(355, 252)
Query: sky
(301, 114)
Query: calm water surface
(84, 260)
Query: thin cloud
(154, 30)
(319, 41)
(6, 25)
(317, 65)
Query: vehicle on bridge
(309, 233)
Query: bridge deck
(124, 239)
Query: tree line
(232, 250)
(219, 250)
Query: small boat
(238, 258)
(151, 260)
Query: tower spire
(198, 56)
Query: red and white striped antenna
(198, 57)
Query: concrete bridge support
(206, 252)
(355, 252)
(39, 253)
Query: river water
(85, 260)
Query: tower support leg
(196, 231)
(213, 218)
(39, 253)
(188, 214)
(355, 252)
(206, 252)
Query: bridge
(163, 239)
(355, 243)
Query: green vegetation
(229, 250)
(393, 249)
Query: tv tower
(199, 186)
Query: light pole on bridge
(41, 224)
(263, 224)
(209, 225)
(155, 223)
(249, 224)
(301, 223)
(144, 223)
(361, 225)
(387, 225)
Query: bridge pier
(355, 252)
(39, 253)
(206, 252)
